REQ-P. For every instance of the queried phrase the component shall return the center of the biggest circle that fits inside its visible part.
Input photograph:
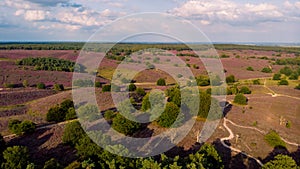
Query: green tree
(277, 76)
(281, 162)
(211, 158)
(294, 76)
(283, 82)
(140, 91)
(245, 90)
(256, 82)
(56, 114)
(98, 84)
(71, 114)
(41, 86)
(18, 127)
(72, 133)
(109, 115)
(230, 79)
(240, 99)
(125, 126)
(250, 68)
(297, 87)
(106, 88)
(15, 157)
(286, 71)
(274, 140)
(266, 70)
(169, 116)
(161, 82)
(132, 87)
(52, 164)
(59, 87)
(89, 112)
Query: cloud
(48, 2)
(226, 11)
(35, 15)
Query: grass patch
(274, 140)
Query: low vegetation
(21, 127)
(274, 140)
(240, 99)
(62, 112)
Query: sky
(219, 20)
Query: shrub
(41, 86)
(276, 76)
(286, 71)
(61, 112)
(83, 83)
(98, 84)
(169, 116)
(140, 91)
(9, 85)
(274, 140)
(15, 157)
(161, 82)
(230, 79)
(297, 87)
(256, 82)
(250, 68)
(125, 126)
(288, 124)
(281, 161)
(266, 70)
(245, 90)
(25, 83)
(203, 81)
(283, 82)
(72, 133)
(240, 99)
(109, 115)
(19, 127)
(179, 75)
(59, 87)
(52, 164)
(106, 88)
(71, 114)
(294, 76)
(132, 87)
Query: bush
(125, 126)
(283, 82)
(15, 157)
(106, 88)
(281, 161)
(64, 111)
(286, 71)
(109, 115)
(72, 133)
(19, 128)
(179, 75)
(41, 86)
(256, 82)
(132, 87)
(59, 87)
(276, 76)
(240, 99)
(140, 91)
(71, 114)
(245, 90)
(161, 82)
(9, 85)
(203, 81)
(274, 140)
(294, 76)
(98, 84)
(52, 164)
(83, 83)
(169, 116)
(266, 70)
(297, 87)
(230, 79)
(250, 68)
(25, 83)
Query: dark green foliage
(59, 87)
(25, 83)
(51, 64)
(132, 87)
(161, 82)
(89, 113)
(15, 157)
(274, 140)
(61, 112)
(203, 81)
(109, 115)
(245, 90)
(83, 83)
(297, 87)
(72, 133)
(294, 76)
(125, 126)
(106, 88)
(288, 61)
(41, 86)
(98, 84)
(174, 95)
(276, 76)
(9, 85)
(283, 82)
(140, 91)
(52, 164)
(21, 127)
(266, 70)
(240, 99)
(250, 68)
(169, 116)
(179, 75)
(225, 56)
(230, 79)
(210, 158)
(281, 162)
(256, 82)
(286, 71)
(204, 104)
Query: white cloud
(227, 11)
(35, 15)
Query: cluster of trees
(51, 64)
(62, 112)
(240, 99)
(288, 61)
(94, 156)
(21, 127)
(235, 90)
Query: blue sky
(219, 20)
